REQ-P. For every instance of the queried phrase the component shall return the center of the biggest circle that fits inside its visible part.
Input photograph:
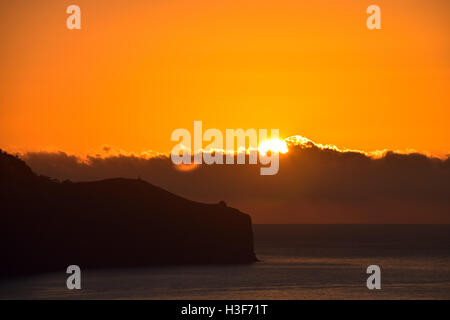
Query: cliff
(47, 225)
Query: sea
(296, 262)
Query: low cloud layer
(315, 184)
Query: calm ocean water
(298, 262)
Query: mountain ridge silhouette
(48, 225)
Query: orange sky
(140, 69)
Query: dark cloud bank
(313, 185)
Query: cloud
(315, 184)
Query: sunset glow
(274, 145)
(139, 69)
(208, 151)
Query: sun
(275, 145)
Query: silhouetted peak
(11, 167)
(110, 223)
